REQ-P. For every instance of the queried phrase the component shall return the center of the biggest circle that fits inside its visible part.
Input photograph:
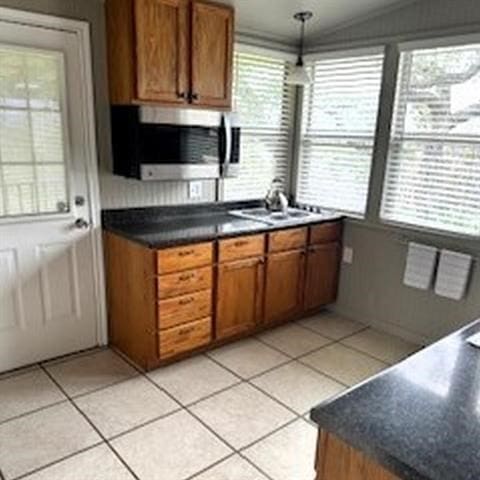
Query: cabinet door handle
(184, 278)
(194, 97)
(181, 95)
(186, 301)
(186, 253)
(186, 331)
(240, 243)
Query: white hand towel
(420, 266)
(453, 274)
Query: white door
(50, 295)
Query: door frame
(82, 31)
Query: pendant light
(299, 75)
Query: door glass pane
(32, 137)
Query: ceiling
(273, 18)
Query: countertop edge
(117, 230)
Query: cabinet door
(162, 44)
(284, 285)
(239, 296)
(212, 54)
(323, 264)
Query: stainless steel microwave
(151, 143)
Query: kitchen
(240, 330)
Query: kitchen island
(419, 420)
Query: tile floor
(236, 413)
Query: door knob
(81, 224)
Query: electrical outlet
(348, 255)
(195, 190)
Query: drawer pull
(241, 243)
(186, 301)
(186, 277)
(186, 253)
(186, 331)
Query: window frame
(409, 46)
(377, 49)
(275, 53)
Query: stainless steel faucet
(276, 200)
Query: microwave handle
(227, 125)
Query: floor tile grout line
(254, 465)
(373, 357)
(213, 465)
(104, 387)
(56, 462)
(32, 412)
(19, 372)
(144, 424)
(99, 433)
(210, 429)
(73, 356)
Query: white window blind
(32, 156)
(265, 106)
(338, 131)
(433, 172)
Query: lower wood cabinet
(166, 303)
(239, 296)
(284, 285)
(321, 281)
(184, 338)
(336, 460)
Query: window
(265, 106)
(338, 131)
(32, 169)
(433, 170)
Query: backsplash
(119, 192)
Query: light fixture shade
(299, 76)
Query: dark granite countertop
(169, 226)
(421, 418)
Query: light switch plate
(348, 255)
(195, 190)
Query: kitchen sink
(292, 215)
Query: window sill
(407, 233)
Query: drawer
(185, 338)
(326, 233)
(184, 258)
(179, 310)
(287, 240)
(241, 247)
(182, 283)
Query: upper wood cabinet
(212, 54)
(162, 38)
(170, 52)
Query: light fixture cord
(302, 37)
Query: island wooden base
(338, 461)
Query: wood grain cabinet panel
(170, 52)
(326, 233)
(212, 54)
(337, 460)
(185, 308)
(182, 283)
(184, 258)
(239, 297)
(321, 284)
(162, 52)
(284, 285)
(241, 247)
(284, 240)
(184, 338)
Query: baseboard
(383, 325)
